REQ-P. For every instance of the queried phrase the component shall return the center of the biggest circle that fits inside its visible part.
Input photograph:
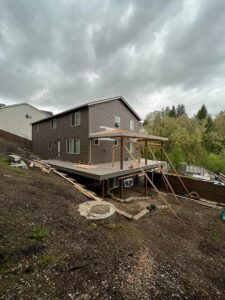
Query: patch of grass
(93, 225)
(4, 161)
(38, 234)
(46, 260)
(215, 236)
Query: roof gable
(90, 104)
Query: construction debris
(17, 162)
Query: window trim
(70, 143)
(53, 123)
(131, 122)
(75, 122)
(36, 127)
(98, 142)
(115, 122)
(130, 147)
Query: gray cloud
(58, 54)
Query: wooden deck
(101, 171)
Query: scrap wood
(202, 202)
(85, 166)
(141, 214)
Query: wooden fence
(206, 190)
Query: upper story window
(116, 143)
(53, 123)
(28, 116)
(117, 122)
(75, 118)
(131, 125)
(36, 127)
(73, 146)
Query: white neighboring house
(17, 119)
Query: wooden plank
(123, 213)
(141, 214)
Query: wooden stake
(164, 176)
(174, 169)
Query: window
(116, 142)
(36, 127)
(53, 123)
(75, 119)
(131, 148)
(28, 116)
(131, 125)
(117, 122)
(49, 145)
(73, 146)
(97, 142)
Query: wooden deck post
(146, 186)
(139, 152)
(113, 156)
(103, 189)
(146, 152)
(121, 152)
(161, 151)
(121, 188)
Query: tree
(180, 110)
(202, 113)
(172, 112)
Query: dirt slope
(48, 251)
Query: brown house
(67, 136)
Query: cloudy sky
(57, 54)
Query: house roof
(126, 134)
(23, 103)
(93, 103)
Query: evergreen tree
(172, 112)
(202, 113)
(180, 110)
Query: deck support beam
(121, 188)
(121, 152)
(103, 189)
(146, 186)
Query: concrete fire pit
(93, 210)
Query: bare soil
(48, 251)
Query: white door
(58, 147)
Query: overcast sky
(56, 54)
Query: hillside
(48, 251)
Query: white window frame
(98, 142)
(49, 144)
(117, 121)
(77, 120)
(71, 146)
(36, 127)
(131, 125)
(53, 123)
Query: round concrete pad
(100, 209)
(96, 210)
